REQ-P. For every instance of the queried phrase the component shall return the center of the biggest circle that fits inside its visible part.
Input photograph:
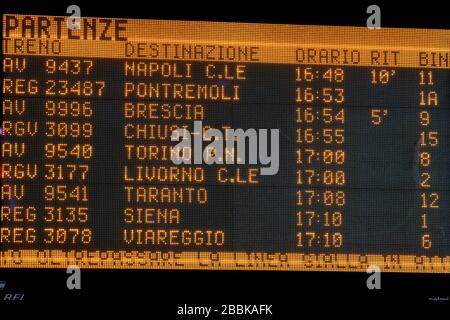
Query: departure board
(159, 144)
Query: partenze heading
(56, 28)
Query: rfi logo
(11, 296)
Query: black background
(160, 291)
